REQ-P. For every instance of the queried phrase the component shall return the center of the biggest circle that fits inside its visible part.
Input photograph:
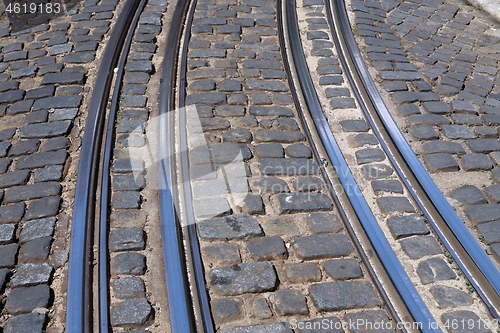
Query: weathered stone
(324, 223)
(226, 310)
(369, 155)
(279, 136)
(308, 184)
(58, 102)
(388, 185)
(131, 312)
(290, 302)
(45, 130)
(298, 150)
(484, 145)
(126, 199)
(319, 246)
(395, 204)
(476, 162)
(43, 207)
(464, 321)
(339, 295)
(127, 239)
(38, 160)
(418, 247)
(127, 288)
(229, 227)
(23, 300)
(457, 132)
(128, 263)
(377, 171)
(409, 225)
(354, 125)
(301, 202)
(223, 153)
(483, 213)
(303, 272)
(26, 323)
(441, 162)
(254, 277)
(288, 166)
(267, 248)
(434, 269)
(222, 254)
(32, 274)
(365, 321)
(450, 297)
(14, 178)
(266, 328)
(36, 250)
(341, 269)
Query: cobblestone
(420, 246)
(26, 299)
(243, 278)
(322, 246)
(229, 227)
(338, 295)
(450, 297)
(135, 311)
(434, 269)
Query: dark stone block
(341, 269)
(450, 297)
(229, 227)
(319, 246)
(30, 322)
(127, 288)
(434, 269)
(387, 186)
(441, 163)
(267, 248)
(409, 225)
(290, 302)
(301, 202)
(418, 247)
(128, 263)
(23, 300)
(254, 277)
(131, 312)
(395, 204)
(36, 250)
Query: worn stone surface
(254, 277)
(341, 269)
(420, 246)
(229, 227)
(450, 297)
(434, 269)
(134, 311)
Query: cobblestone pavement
(277, 251)
(439, 63)
(418, 248)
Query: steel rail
(198, 271)
(78, 299)
(180, 301)
(466, 251)
(393, 267)
(102, 263)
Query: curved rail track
(188, 299)
(466, 251)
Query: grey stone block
(254, 277)
(32, 274)
(409, 225)
(128, 263)
(483, 213)
(369, 155)
(464, 321)
(23, 300)
(126, 199)
(434, 269)
(43, 207)
(341, 269)
(476, 162)
(129, 287)
(26, 323)
(448, 297)
(395, 204)
(38, 160)
(484, 145)
(14, 178)
(298, 150)
(457, 132)
(131, 312)
(267, 248)
(288, 166)
(339, 295)
(229, 227)
(222, 254)
(469, 195)
(441, 162)
(301, 202)
(127, 239)
(290, 302)
(354, 125)
(227, 309)
(45, 130)
(36, 250)
(266, 328)
(319, 246)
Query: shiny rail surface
(79, 292)
(466, 251)
(185, 300)
(393, 267)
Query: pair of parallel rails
(188, 301)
